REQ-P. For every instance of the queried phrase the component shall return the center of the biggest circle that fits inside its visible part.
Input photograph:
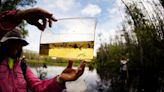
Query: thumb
(43, 24)
(70, 62)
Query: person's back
(123, 65)
(123, 70)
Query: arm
(56, 84)
(33, 15)
(37, 85)
(6, 21)
(10, 19)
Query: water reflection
(88, 82)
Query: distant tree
(13, 4)
(144, 46)
(146, 55)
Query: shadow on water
(142, 79)
(107, 78)
(88, 82)
(100, 79)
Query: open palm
(70, 74)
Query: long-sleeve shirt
(12, 80)
(6, 21)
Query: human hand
(34, 15)
(70, 74)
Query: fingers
(82, 65)
(43, 25)
(38, 11)
(70, 74)
(52, 18)
(39, 26)
(37, 23)
(30, 14)
(50, 23)
(70, 62)
(43, 12)
(43, 18)
(81, 69)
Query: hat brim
(22, 41)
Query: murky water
(88, 82)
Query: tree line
(143, 32)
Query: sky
(70, 30)
(108, 14)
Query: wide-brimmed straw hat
(14, 35)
